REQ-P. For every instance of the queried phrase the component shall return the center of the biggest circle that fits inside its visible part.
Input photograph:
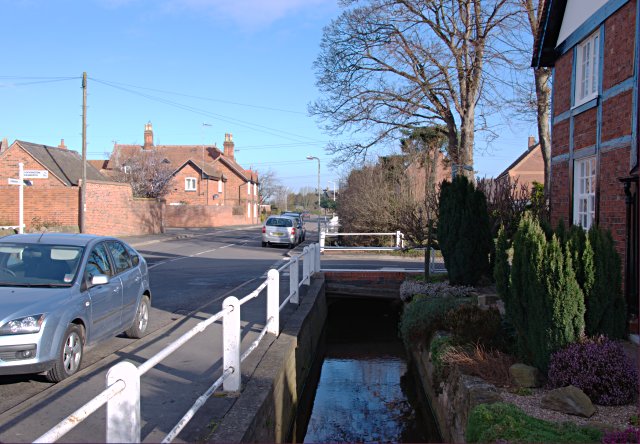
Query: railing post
(323, 236)
(123, 410)
(273, 301)
(293, 280)
(305, 266)
(317, 261)
(231, 343)
(397, 238)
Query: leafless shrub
(147, 173)
(490, 365)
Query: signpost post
(21, 183)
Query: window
(255, 189)
(584, 192)
(587, 69)
(249, 210)
(220, 186)
(190, 184)
(248, 188)
(98, 263)
(120, 256)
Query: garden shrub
(439, 345)
(544, 302)
(424, 315)
(464, 232)
(599, 367)
(506, 422)
(470, 323)
(410, 288)
(501, 267)
(629, 435)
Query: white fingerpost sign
(36, 174)
(20, 182)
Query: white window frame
(587, 69)
(190, 184)
(248, 188)
(584, 191)
(220, 186)
(249, 210)
(255, 189)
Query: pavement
(180, 233)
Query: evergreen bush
(502, 269)
(424, 315)
(470, 323)
(464, 232)
(544, 302)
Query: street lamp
(311, 158)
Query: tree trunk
(543, 94)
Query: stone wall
(267, 406)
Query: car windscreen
(279, 222)
(40, 265)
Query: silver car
(280, 230)
(62, 292)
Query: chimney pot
(532, 142)
(62, 145)
(4, 144)
(228, 145)
(148, 136)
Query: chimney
(4, 144)
(228, 145)
(62, 146)
(148, 136)
(532, 142)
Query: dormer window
(587, 69)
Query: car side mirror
(135, 260)
(99, 279)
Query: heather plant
(629, 435)
(410, 288)
(470, 323)
(599, 367)
(464, 233)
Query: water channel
(365, 388)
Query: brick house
(203, 175)
(52, 199)
(527, 168)
(592, 47)
(419, 177)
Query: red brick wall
(562, 84)
(617, 113)
(54, 205)
(9, 160)
(199, 216)
(560, 201)
(619, 45)
(584, 129)
(560, 143)
(112, 210)
(613, 165)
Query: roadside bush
(544, 302)
(470, 323)
(464, 233)
(629, 435)
(488, 364)
(599, 367)
(506, 422)
(424, 315)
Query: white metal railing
(122, 395)
(398, 241)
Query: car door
(106, 299)
(131, 280)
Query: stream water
(366, 391)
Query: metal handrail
(123, 379)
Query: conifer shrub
(470, 323)
(464, 232)
(502, 269)
(424, 315)
(544, 302)
(599, 367)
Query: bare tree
(269, 186)
(389, 65)
(146, 172)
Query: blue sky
(196, 69)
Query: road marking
(187, 257)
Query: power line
(255, 127)
(34, 82)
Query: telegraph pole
(83, 190)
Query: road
(190, 276)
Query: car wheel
(69, 355)
(291, 246)
(264, 244)
(141, 321)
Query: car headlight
(21, 326)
